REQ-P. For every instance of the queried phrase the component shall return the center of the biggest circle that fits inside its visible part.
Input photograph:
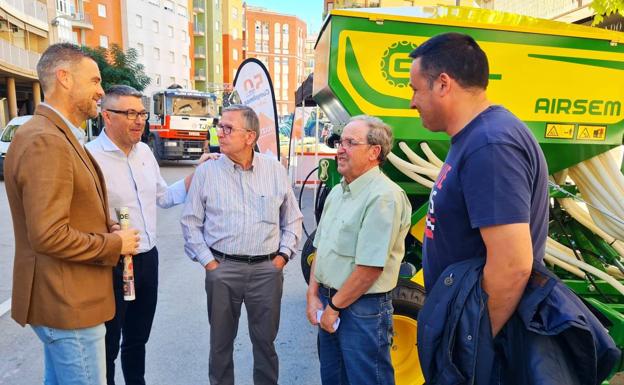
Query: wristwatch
(284, 256)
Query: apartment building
(159, 31)
(24, 35)
(208, 45)
(277, 40)
(232, 16)
(309, 54)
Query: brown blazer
(62, 276)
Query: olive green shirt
(363, 223)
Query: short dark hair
(252, 123)
(455, 54)
(55, 56)
(114, 92)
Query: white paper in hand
(319, 314)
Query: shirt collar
(109, 146)
(361, 182)
(78, 132)
(233, 166)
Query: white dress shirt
(134, 181)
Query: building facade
(232, 16)
(159, 31)
(309, 54)
(278, 41)
(208, 43)
(24, 35)
(104, 16)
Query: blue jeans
(358, 353)
(73, 357)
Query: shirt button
(448, 281)
(469, 337)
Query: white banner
(255, 89)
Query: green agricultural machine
(564, 81)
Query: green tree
(606, 8)
(119, 67)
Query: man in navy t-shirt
(490, 199)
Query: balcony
(200, 52)
(82, 21)
(25, 61)
(200, 74)
(199, 30)
(199, 6)
(34, 9)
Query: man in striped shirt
(242, 223)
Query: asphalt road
(177, 353)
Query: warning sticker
(559, 131)
(592, 133)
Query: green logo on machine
(395, 63)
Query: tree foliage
(119, 67)
(606, 8)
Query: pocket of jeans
(366, 307)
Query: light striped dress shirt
(134, 181)
(236, 211)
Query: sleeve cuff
(206, 258)
(178, 192)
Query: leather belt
(330, 292)
(249, 259)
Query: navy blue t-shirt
(494, 174)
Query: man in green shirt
(360, 243)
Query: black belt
(330, 292)
(249, 259)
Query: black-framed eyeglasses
(132, 114)
(348, 143)
(227, 129)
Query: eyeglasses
(227, 129)
(132, 114)
(348, 143)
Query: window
(277, 37)
(185, 60)
(217, 26)
(168, 5)
(182, 11)
(171, 57)
(183, 35)
(234, 13)
(172, 80)
(234, 33)
(139, 21)
(157, 53)
(101, 10)
(170, 30)
(103, 41)
(217, 69)
(217, 47)
(155, 26)
(157, 79)
(140, 49)
(235, 54)
(185, 83)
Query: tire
(407, 299)
(151, 142)
(307, 256)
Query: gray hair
(379, 133)
(55, 56)
(249, 116)
(114, 92)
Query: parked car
(7, 135)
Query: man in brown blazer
(65, 246)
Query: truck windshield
(186, 106)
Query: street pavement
(177, 353)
